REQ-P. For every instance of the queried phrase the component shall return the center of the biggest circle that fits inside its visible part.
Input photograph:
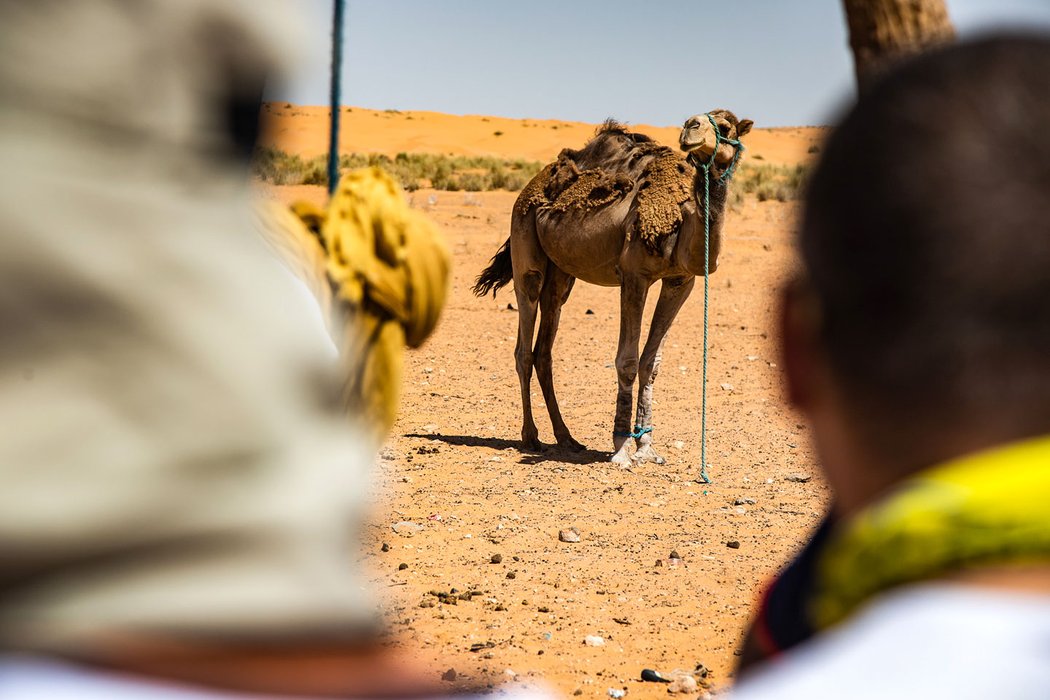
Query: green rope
(706, 167)
(638, 432)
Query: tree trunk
(882, 32)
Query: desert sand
(489, 514)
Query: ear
(743, 126)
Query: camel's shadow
(547, 453)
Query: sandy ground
(304, 130)
(454, 468)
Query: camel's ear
(743, 126)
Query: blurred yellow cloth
(380, 272)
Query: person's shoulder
(934, 640)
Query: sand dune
(304, 130)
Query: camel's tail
(497, 274)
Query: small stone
(496, 559)
(744, 502)
(678, 444)
(427, 603)
(385, 547)
(402, 566)
(726, 386)
(733, 544)
(593, 640)
(683, 683)
(510, 307)
(798, 478)
(651, 676)
(511, 574)
(589, 312)
(406, 528)
(569, 535)
(616, 693)
(578, 691)
(496, 458)
(673, 555)
(543, 609)
(509, 673)
(449, 675)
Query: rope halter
(738, 148)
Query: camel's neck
(694, 247)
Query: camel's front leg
(632, 303)
(673, 293)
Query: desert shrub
(411, 170)
(766, 181)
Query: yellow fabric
(383, 276)
(990, 508)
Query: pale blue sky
(779, 62)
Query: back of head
(926, 240)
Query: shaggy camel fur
(621, 212)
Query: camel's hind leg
(673, 293)
(530, 264)
(555, 292)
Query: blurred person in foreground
(180, 494)
(916, 340)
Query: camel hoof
(648, 454)
(622, 458)
(569, 444)
(531, 444)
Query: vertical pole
(334, 100)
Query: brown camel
(621, 212)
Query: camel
(623, 212)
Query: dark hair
(926, 239)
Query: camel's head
(699, 138)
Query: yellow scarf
(990, 508)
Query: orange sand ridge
(304, 130)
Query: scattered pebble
(511, 574)
(744, 502)
(496, 559)
(402, 566)
(678, 444)
(406, 528)
(651, 676)
(733, 544)
(385, 547)
(430, 428)
(589, 312)
(798, 478)
(617, 692)
(621, 620)
(496, 458)
(510, 673)
(543, 609)
(593, 640)
(449, 675)
(569, 535)
(726, 386)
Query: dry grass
(485, 173)
(411, 170)
(765, 181)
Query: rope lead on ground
(706, 167)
